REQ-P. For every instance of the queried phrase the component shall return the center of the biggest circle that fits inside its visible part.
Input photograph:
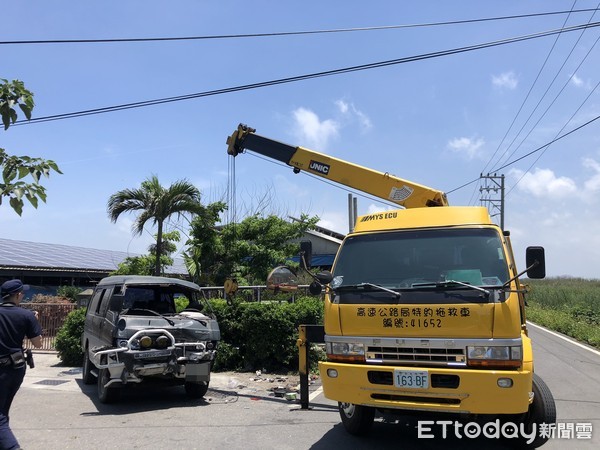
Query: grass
(568, 305)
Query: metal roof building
(51, 265)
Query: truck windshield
(409, 260)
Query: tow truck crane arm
(379, 184)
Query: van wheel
(356, 419)
(196, 390)
(107, 394)
(541, 411)
(88, 366)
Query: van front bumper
(450, 390)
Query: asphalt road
(54, 410)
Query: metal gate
(51, 317)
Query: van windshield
(410, 260)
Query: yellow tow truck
(424, 310)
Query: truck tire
(107, 394)
(541, 411)
(196, 390)
(86, 373)
(357, 420)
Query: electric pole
(492, 195)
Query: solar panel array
(55, 256)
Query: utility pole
(492, 186)
(352, 212)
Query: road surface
(54, 410)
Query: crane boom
(379, 184)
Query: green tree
(249, 250)
(136, 265)
(167, 249)
(205, 248)
(15, 168)
(145, 264)
(155, 203)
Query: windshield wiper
(450, 283)
(369, 285)
(126, 311)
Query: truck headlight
(493, 356)
(345, 351)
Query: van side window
(96, 300)
(104, 302)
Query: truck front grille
(416, 356)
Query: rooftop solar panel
(56, 256)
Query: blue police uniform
(15, 324)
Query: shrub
(69, 292)
(68, 338)
(228, 358)
(264, 334)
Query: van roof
(146, 280)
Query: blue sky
(438, 122)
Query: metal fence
(51, 317)
(251, 293)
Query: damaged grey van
(133, 334)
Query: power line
(527, 97)
(290, 33)
(307, 76)
(530, 153)
(544, 96)
(546, 148)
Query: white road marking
(315, 394)
(572, 341)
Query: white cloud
(592, 185)
(334, 220)
(342, 106)
(544, 183)
(506, 80)
(373, 208)
(580, 82)
(311, 130)
(350, 111)
(466, 147)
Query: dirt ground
(276, 385)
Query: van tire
(196, 390)
(87, 375)
(357, 420)
(107, 394)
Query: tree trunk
(158, 248)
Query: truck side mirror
(535, 261)
(305, 254)
(321, 278)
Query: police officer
(15, 324)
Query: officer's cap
(12, 287)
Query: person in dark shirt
(16, 324)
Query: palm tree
(157, 204)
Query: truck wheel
(107, 394)
(541, 411)
(88, 366)
(196, 390)
(356, 419)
